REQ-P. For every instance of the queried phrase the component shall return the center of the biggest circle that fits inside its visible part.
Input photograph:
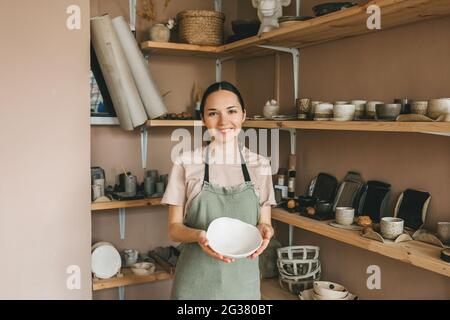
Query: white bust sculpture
(268, 13)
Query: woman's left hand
(266, 233)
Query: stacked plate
(324, 290)
(299, 267)
(105, 260)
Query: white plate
(105, 261)
(233, 238)
(347, 227)
(308, 295)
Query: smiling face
(223, 115)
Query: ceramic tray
(372, 234)
(347, 227)
(308, 295)
(412, 207)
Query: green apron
(198, 275)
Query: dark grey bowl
(388, 111)
(245, 26)
(329, 7)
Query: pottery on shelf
(345, 215)
(323, 111)
(343, 112)
(419, 107)
(388, 111)
(285, 21)
(443, 232)
(159, 33)
(437, 107)
(271, 109)
(412, 206)
(391, 227)
(371, 111)
(326, 8)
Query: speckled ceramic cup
(371, 111)
(443, 231)
(391, 227)
(345, 215)
(323, 111)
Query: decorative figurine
(268, 13)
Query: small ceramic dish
(325, 8)
(233, 238)
(143, 268)
(347, 227)
(308, 295)
(329, 290)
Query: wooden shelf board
(125, 204)
(128, 278)
(183, 49)
(389, 126)
(417, 253)
(337, 25)
(271, 290)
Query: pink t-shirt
(186, 178)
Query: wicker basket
(201, 27)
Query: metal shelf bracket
(144, 145)
(122, 293)
(295, 63)
(122, 223)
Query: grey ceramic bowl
(388, 111)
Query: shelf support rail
(219, 62)
(121, 293)
(144, 145)
(293, 138)
(122, 223)
(218, 5)
(295, 63)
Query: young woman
(223, 179)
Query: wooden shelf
(125, 204)
(271, 290)
(337, 25)
(417, 253)
(390, 126)
(128, 278)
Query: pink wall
(44, 137)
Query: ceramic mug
(323, 111)
(130, 257)
(443, 231)
(303, 108)
(345, 215)
(360, 108)
(391, 227)
(149, 186)
(419, 107)
(343, 112)
(371, 111)
(130, 184)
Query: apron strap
(243, 167)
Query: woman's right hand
(203, 242)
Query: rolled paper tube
(117, 74)
(153, 102)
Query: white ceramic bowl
(345, 215)
(233, 238)
(326, 290)
(437, 107)
(343, 112)
(143, 268)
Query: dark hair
(224, 85)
